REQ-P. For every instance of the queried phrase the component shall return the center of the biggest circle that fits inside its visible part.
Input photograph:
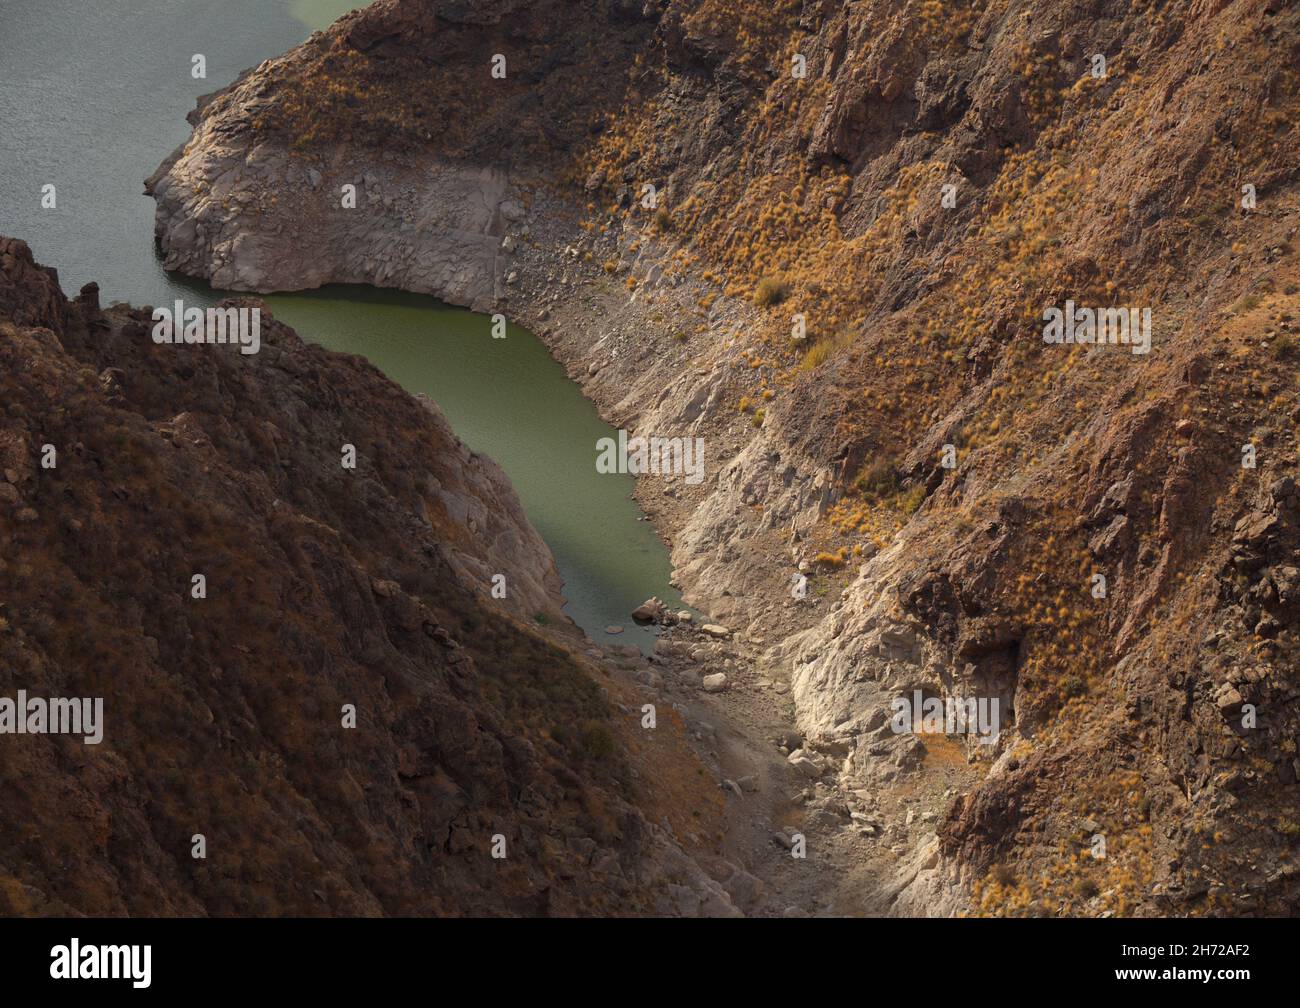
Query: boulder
(650, 611)
(807, 762)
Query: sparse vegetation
(909, 500)
(770, 292)
(877, 478)
(830, 561)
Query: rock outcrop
(401, 218)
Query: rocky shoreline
(949, 600)
(542, 274)
(263, 223)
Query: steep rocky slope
(840, 283)
(224, 710)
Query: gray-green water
(94, 96)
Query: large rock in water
(650, 611)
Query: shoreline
(727, 561)
(848, 563)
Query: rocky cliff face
(128, 468)
(366, 99)
(859, 214)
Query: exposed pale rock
(809, 768)
(650, 610)
(1229, 699)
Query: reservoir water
(94, 96)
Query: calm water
(92, 99)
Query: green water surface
(94, 95)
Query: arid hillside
(859, 215)
(130, 467)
